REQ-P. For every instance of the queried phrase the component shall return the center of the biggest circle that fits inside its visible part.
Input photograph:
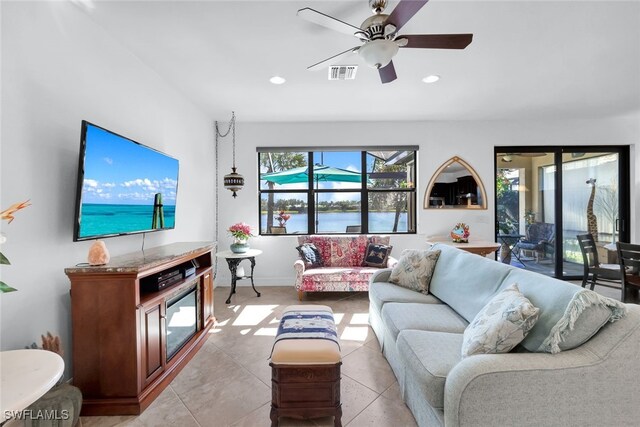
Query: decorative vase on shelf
(460, 233)
(239, 246)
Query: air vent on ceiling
(342, 72)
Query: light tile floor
(228, 382)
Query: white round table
(25, 376)
(233, 260)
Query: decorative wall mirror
(455, 185)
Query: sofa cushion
(424, 317)
(335, 274)
(382, 292)
(414, 269)
(501, 325)
(342, 251)
(466, 281)
(376, 255)
(569, 314)
(337, 279)
(347, 251)
(322, 243)
(428, 358)
(310, 255)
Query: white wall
(438, 142)
(57, 69)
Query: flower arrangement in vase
(7, 215)
(460, 233)
(282, 218)
(241, 233)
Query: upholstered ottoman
(305, 365)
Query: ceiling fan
(379, 35)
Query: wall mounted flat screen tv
(124, 187)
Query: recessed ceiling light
(431, 79)
(277, 80)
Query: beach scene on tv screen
(123, 181)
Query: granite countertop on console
(136, 262)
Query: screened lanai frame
(624, 223)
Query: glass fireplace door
(181, 320)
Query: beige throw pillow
(501, 324)
(415, 269)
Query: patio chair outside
(540, 239)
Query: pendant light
(232, 181)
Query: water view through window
(327, 192)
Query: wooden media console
(121, 357)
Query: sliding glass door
(525, 191)
(590, 204)
(546, 196)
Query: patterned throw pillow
(310, 255)
(376, 255)
(501, 324)
(414, 269)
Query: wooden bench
(305, 376)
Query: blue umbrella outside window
(321, 173)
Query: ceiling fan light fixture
(378, 53)
(431, 79)
(277, 80)
(379, 33)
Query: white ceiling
(528, 60)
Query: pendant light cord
(232, 129)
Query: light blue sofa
(593, 384)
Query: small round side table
(25, 376)
(233, 260)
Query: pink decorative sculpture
(98, 253)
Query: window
(326, 192)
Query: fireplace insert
(182, 318)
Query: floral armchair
(540, 239)
(342, 259)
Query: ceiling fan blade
(388, 73)
(437, 41)
(327, 21)
(405, 11)
(320, 65)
